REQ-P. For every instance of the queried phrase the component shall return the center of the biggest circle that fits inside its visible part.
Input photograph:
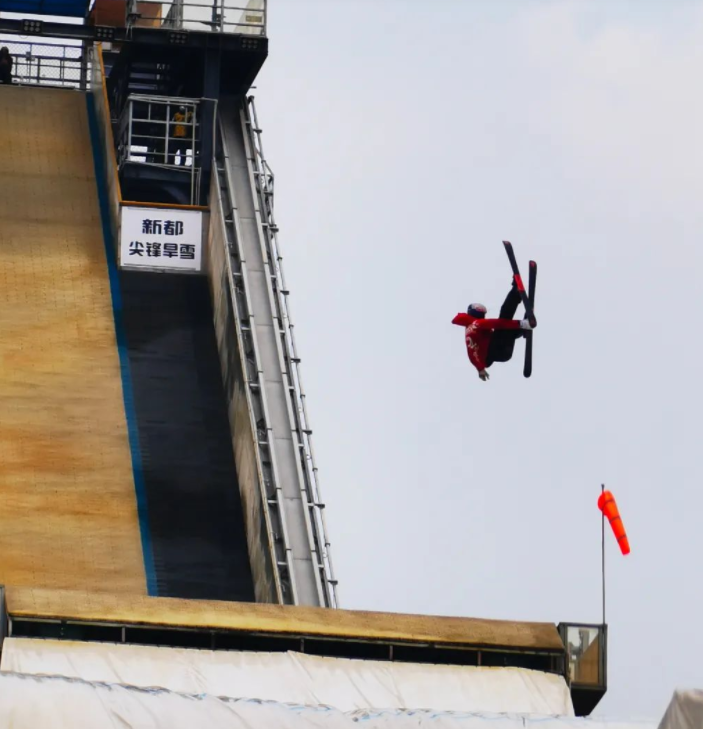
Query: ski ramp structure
(164, 557)
(64, 445)
(108, 483)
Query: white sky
(409, 138)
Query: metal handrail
(47, 64)
(268, 478)
(219, 15)
(265, 180)
(134, 144)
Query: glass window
(583, 647)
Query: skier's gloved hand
(483, 375)
(525, 324)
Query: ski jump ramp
(116, 466)
(68, 512)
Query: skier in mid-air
(492, 340)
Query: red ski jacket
(478, 335)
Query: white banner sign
(163, 238)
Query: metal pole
(602, 550)
(129, 130)
(3, 617)
(179, 15)
(168, 132)
(192, 155)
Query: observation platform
(235, 28)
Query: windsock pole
(602, 551)
(609, 510)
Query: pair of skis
(528, 299)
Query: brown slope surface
(68, 516)
(298, 621)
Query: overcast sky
(409, 138)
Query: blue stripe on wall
(110, 253)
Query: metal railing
(264, 179)
(161, 131)
(219, 16)
(47, 64)
(98, 90)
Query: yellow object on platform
(281, 619)
(68, 514)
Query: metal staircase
(294, 512)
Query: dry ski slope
(68, 514)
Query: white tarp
(296, 678)
(35, 702)
(685, 711)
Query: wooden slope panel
(68, 515)
(282, 619)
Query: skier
(492, 340)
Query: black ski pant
(503, 341)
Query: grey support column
(211, 91)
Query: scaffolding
(162, 132)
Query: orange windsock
(609, 507)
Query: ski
(531, 286)
(529, 314)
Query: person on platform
(492, 340)
(5, 66)
(182, 134)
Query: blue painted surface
(63, 8)
(127, 390)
